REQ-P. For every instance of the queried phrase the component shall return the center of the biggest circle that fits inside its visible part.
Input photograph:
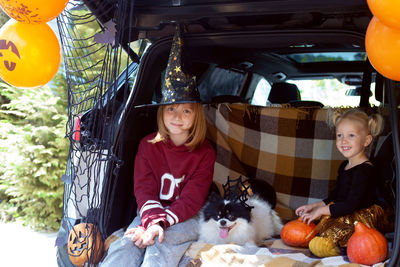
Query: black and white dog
(232, 220)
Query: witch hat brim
(179, 86)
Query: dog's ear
(249, 207)
(213, 188)
(214, 197)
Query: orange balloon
(33, 11)
(29, 54)
(382, 44)
(387, 11)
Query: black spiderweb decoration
(237, 190)
(96, 55)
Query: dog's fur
(224, 221)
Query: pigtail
(375, 124)
(336, 116)
(333, 117)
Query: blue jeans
(177, 238)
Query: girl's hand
(303, 210)
(151, 233)
(315, 214)
(136, 233)
(143, 238)
(309, 217)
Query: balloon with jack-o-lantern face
(29, 54)
(33, 11)
(6, 45)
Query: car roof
(292, 27)
(153, 18)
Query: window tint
(217, 81)
(328, 56)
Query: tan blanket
(270, 254)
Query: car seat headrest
(283, 93)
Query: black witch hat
(178, 86)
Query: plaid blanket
(292, 149)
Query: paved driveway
(21, 246)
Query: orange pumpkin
(366, 246)
(297, 234)
(84, 244)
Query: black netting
(96, 52)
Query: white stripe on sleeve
(150, 204)
(171, 217)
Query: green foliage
(3, 17)
(33, 150)
(33, 153)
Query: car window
(220, 82)
(261, 92)
(330, 92)
(330, 89)
(328, 56)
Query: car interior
(276, 76)
(229, 72)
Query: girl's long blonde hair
(197, 133)
(373, 123)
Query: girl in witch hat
(173, 172)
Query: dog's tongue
(223, 232)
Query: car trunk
(233, 35)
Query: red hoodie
(171, 183)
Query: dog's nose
(222, 222)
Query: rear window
(328, 56)
(329, 92)
(219, 82)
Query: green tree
(3, 17)
(33, 124)
(33, 153)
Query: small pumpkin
(296, 233)
(84, 244)
(366, 245)
(323, 247)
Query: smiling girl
(173, 172)
(356, 181)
